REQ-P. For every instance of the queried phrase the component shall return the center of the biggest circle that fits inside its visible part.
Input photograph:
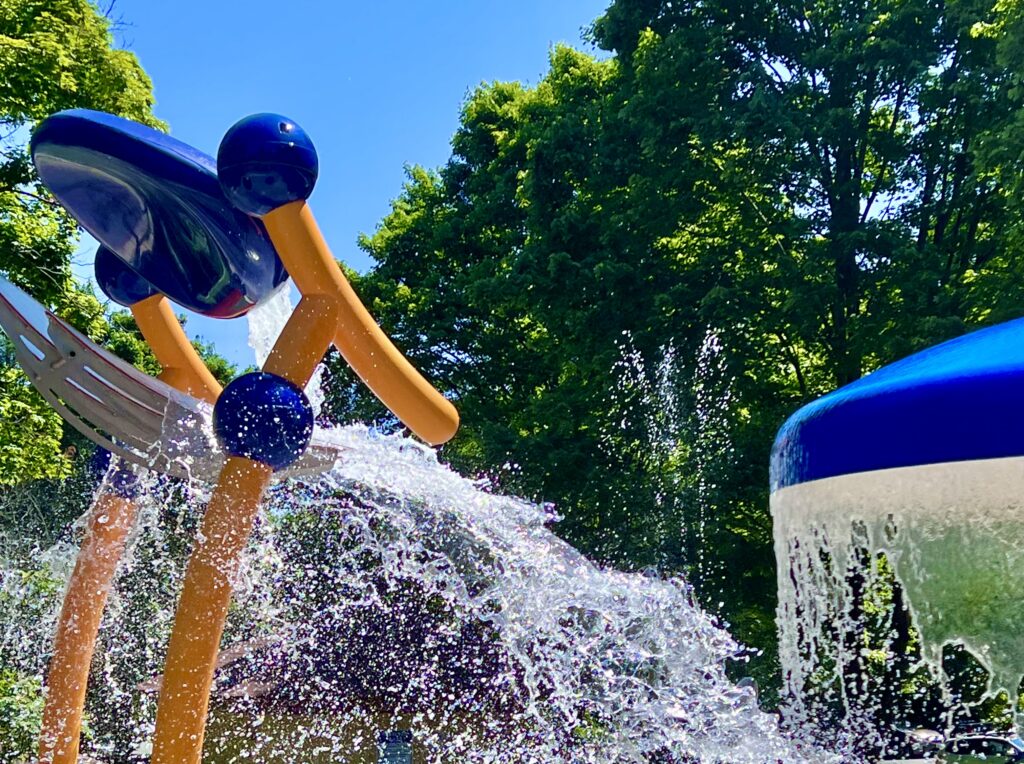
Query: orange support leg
(182, 366)
(199, 622)
(110, 520)
(361, 341)
(206, 595)
(329, 310)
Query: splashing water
(645, 424)
(938, 545)
(394, 589)
(660, 429)
(266, 322)
(393, 593)
(712, 443)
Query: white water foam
(489, 637)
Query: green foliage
(54, 55)
(27, 598)
(30, 430)
(59, 54)
(822, 187)
(222, 369)
(21, 714)
(30, 596)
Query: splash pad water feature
(554, 659)
(922, 462)
(173, 226)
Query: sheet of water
(952, 535)
(530, 653)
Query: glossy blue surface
(119, 282)
(394, 747)
(121, 481)
(266, 161)
(157, 204)
(265, 418)
(958, 401)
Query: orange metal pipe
(312, 322)
(181, 364)
(361, 341)
(110, 520)
(329, 311)
(199, 622)
(206, 594)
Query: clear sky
(378, 86)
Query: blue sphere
(119, 281)
(122, 481)
(264, 162)
(265, 418)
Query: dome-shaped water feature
(910, 481)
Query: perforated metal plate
(141, 419)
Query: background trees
(632, 272)
(54, 55)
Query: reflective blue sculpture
(156, 203)
(265, 418)
(266, 161)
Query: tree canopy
(629, 274)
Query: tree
(870, 117)
(998, 290)
(812, 184)
(520, 273)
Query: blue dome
(156, 203)
(959, 401)
(119, 282)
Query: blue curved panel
(157, 204)
(958, 401)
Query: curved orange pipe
(329, 312)
(361, 341)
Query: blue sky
(378, 86)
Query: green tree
(870, 118)
(998, 291)
(813, 185)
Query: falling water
(266, 322)
(939, 546)
(393, 594)
(393, 591)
